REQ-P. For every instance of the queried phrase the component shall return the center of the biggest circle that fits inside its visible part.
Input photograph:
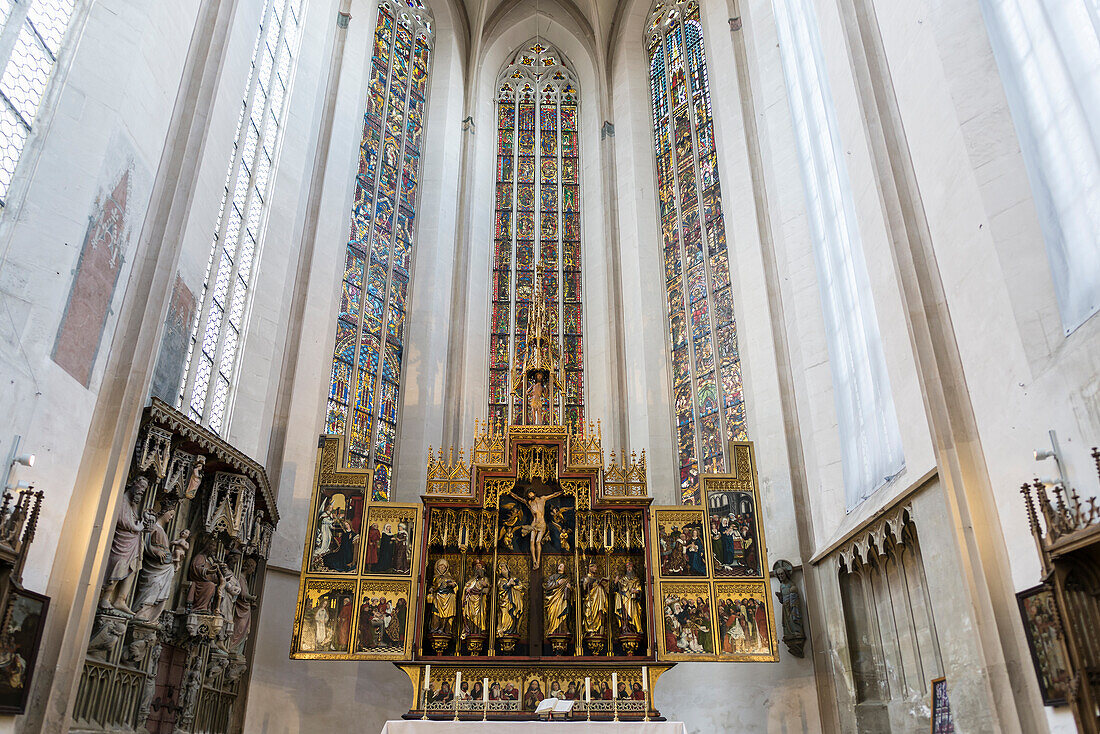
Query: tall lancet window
(537, 228)
(212, 355)
(870, 441)
(370, 329)
(706, 367)
(1048, 52)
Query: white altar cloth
(533, 727)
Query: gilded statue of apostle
(443, 598)
(628, 607)
(558, 592)
(510, 601)
(474, 606)
(595, 601)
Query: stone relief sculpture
(178, 581)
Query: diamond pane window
(227, 288)
(706, 367)
(29, 55)
(370, 332)
(537, 222)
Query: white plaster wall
(115, 98)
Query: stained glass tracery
(370, 327)
(706, 367)
(536, 231)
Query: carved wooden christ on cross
(537, 504)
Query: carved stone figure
(150, 686)
(111, 629)
(229, 588)
(558, 590)
(474, 603)
(204, 575)
(125, 558)
(794, 634)
(158, 571)
(242, 609)
(195, 479)
(511, 601)
(595, 601)
(189, 699)
(443, 598)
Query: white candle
(645, 678)
(587, 689)
(485, 690)
(614, 685)
(427, 677)
(458, 682)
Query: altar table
(534, 727)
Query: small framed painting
(1044, 638)
(942, 723)
(19, 641)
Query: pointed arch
(537, 225)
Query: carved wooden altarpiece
(374, 586)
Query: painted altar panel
(712, 563)
(357, 587)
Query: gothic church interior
(282, 279)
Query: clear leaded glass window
(370, 329)
(706, 368)
(537, 227)
(214, 349)
(33, 32)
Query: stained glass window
(33, 33)
(537, 224)
(214, 348)
(706, 367)
(370, 327)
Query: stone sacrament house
(258, 258)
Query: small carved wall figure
(794, 634)
(242, 609)
(104, 639)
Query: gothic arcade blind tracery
(370, 330)
(537, 223)
(706, 367)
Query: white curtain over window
(869, 437)
(1048, 52)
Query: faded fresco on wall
(118, 207)
(173, 343)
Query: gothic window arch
(213, 351)
(706, 366)
(537, 226)
(370, 329)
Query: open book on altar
(554, 707)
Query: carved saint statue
(159, 569)
(536, 398)
(126, 545)
(537, 528)
(229, 587)
(558, 590)
(442, 596)
(204, 575)
(595, 601)
(510, 601)
(794, 634)
(474, 603)
(242, 609)
(509, 525)
(628, 607)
